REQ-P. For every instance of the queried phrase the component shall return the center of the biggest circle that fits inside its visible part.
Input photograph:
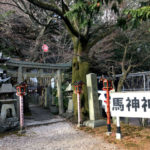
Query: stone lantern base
(8, 124)
(95, 123)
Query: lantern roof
(69, 88)
(7, 88)
(21, 84)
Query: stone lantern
(69, 91)
(8, 116)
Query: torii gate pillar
(20, 76)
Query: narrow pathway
(41, 116)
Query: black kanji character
(135, 103)
(115, 108)
(129, 103)
(144, 104)
(117, 104)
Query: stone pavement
(41, 116)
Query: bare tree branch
(8, 4)
(100, 36)
(139, 64)
(55, 9)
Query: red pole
(21, 113)
(108, 111)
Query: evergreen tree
(136, 16)
(85, 22)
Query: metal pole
(118, 134)
(79, 112)
(21, 113)
(108, 113)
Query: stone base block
(22, 131)
(95, 123)
(118, 136)
(108, 133)
(79, 125)
(8, 124)
(67, 115)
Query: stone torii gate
(20, 72)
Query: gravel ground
(57, 136)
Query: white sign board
(130, 104)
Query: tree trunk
(80, 67)
(120, 84)
(121, 81)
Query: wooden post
(19, 80)
(59, 93)
(45, 98)
(21, 113)
(108, 113)
(20, 77)
(118, 134)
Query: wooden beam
(29, 75)
(25, 64)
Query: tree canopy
(140, 14)
(87, 24)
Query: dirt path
(57, 136)
(45, 131)
(41, 116)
